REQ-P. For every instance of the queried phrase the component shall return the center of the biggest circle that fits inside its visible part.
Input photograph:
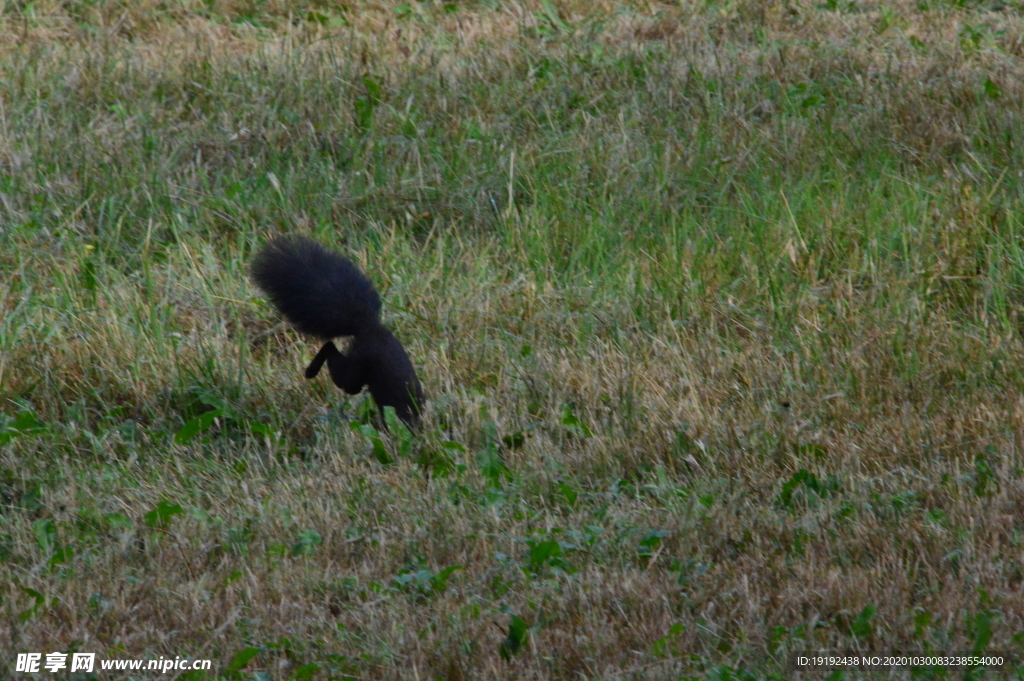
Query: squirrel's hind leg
(318, 362)
(346, 371)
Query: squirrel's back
(318, 291)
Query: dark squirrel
(324, 295)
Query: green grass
(717, 307)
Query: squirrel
(325, 295)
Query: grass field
(717, 306)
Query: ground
(717, 306)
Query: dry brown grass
(718, 321)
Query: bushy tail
(321, 293)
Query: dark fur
(324, 295)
